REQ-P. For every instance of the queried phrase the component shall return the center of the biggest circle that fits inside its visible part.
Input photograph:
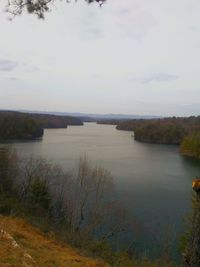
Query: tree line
(12, 128)
(18, 125)
(176, 131)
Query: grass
(37, 249)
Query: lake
(153, 181)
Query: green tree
(39, 193)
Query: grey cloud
(124, 11)
(92, 34)
(96, 33)
(13, 78)
(7, 65)
(160, 77)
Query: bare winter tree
(192, 252)
(82, 202)
(94, 209)
(90, 190)
(37, 169)
(8, 170)
(37, 7)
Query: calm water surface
(153, 181)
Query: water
(153, 181)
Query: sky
(130, 57)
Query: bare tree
(34, 169)
(83, 202)
(36, 7)
(8, 170)
(88, 192)
(91, 206)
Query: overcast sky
(130, 57)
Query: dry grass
(35, 249)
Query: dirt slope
(22, 245)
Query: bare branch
(36, 7)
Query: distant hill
(113, 116)
(46, 120)
(96, 116)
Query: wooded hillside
(18, 125)
(162, 131)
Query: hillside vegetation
(174, 131)
(110, 121)
(19, 128)
(46, 120)
(17, 125)
(55, 121)
(160, 133)
(23, 245)
(191, 145)
(167, 130)
(131, 125)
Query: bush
(39, 193)
(191, 145)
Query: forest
(110, 121)
(131, 125)
(173, 131)
(12, 128)
(27, 126)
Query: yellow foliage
(196, 185)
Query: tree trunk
(192, 253)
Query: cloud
(12, 78)
(160, 77)
(7, 65)
(31, 68)
(95, 33)
(91, 26)
(133, 19)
